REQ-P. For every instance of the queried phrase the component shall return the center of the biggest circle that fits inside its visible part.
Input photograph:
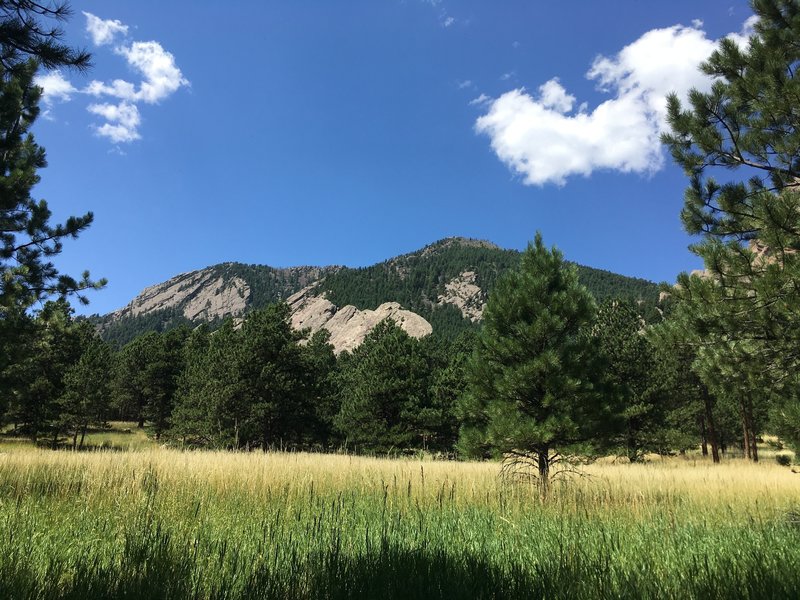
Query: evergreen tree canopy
(632, 371)
(746, 310)
(29, 29)
(535, 385)
(384, 389)
(27, 239)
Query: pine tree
(535, 385)
(384, 385)
(26, 31)
(632, 370)
(87, 388)
(273, 378)
(27, 239)
(53, 345)
(320, 366)
(746, 310)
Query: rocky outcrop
(348, 325)
(218, 299)
(464, 293)
(200, 294)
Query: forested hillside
(416, 280)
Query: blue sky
(317, 132)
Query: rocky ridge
(348, 325)
(202, 294)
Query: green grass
(166, 524)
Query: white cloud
(102, 31)
(119, 88)
(55, 87)
(541, 139)
(162, 77)
(123, 121)
(448, 21)
(466, 83)
(743, 36)
(554, 96)
(480, 100)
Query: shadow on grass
(154, 565)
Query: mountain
(445, 285)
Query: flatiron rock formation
(201, 294)
(348, 325)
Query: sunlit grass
(165, 523)
(118, 435)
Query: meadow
(161, 523)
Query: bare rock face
(463, 293)
(201, 296)
(348, 325)
(218, 299)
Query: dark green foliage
(146, 378)
(272, 373)
(208, 408)
(632, 370)
(119, 332)
(52, 346)
(256, 386)
(320, 367)
(535, 382)
(745, 313)
(695, 408)
(27, 31)
(27, 239)
(416, 280)
(449, 381)
(17, 335)
(87, 388)
(384, 389)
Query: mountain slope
(447, 283)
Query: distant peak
(464, 241)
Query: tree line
(602, 373)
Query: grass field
(161, 523)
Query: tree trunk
(75, 440)
(712, 428)
(748, 430)
(752, 430)
(544, 473)
(83, 435)
(140, 424)
(703, 438)
(745, 431)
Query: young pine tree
(535, 384)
